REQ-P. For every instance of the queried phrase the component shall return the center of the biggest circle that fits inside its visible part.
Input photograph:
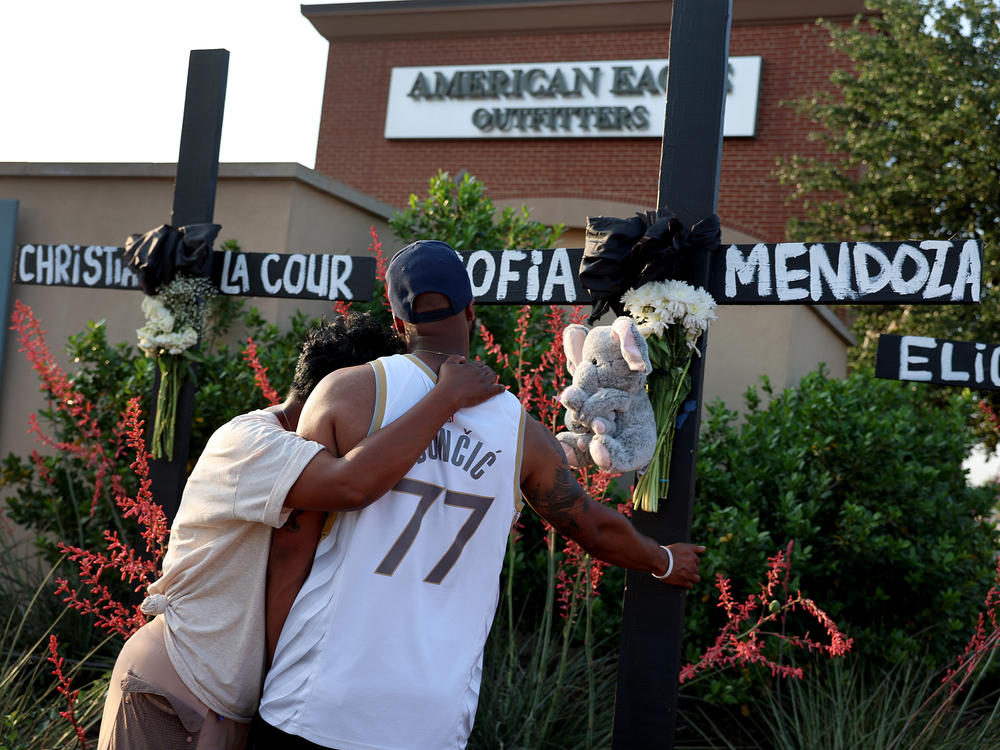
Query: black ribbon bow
(157, 256)
(623, 254)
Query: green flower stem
(164, 424)
(666, 394)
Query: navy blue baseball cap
(427, 266)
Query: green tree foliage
(459, 212)
(866, 477)
(913, 140)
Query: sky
(104, 80)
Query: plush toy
(608, 414)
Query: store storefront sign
(595, 99)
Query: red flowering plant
(762, 619)
(137, 567)
(66, 490)
(64, 687)
(546, 645)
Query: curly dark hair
(342, 342)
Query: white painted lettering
(320, 286)
(44, 264)
(128, 277)
(506, 274)
(757, 262)
(224, 286)
(91, 257)
(947, 358)
(271, 287)
(560, 273)
(490, 269)
(995, 366)
(783, 277)
(241, 273)
(340, 272)
(534, 286)
(295, 281)
(23, 274)
(865, 282)
(980, 348)
(934, 287)
(915, 284)
(969, 272)
(906, 359)
(109, 265)
(839, 281)
(76, 266)
(63, 260)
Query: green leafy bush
(866, 477)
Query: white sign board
(594, 99)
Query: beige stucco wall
(266, 207)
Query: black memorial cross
(690, 165)
(194, 203)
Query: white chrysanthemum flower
(679, 296)
(702, 307)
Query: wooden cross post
(194, 203)
(690, 163)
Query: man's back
(383, 646)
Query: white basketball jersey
(383, 647)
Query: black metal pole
(194, 203)
(690, 164)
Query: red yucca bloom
(985, 638)
(743, 638)
(538, 387)
(381, 264)
(259, 373)
(985, 407)
(90, 447)
(63, 687)
(134, 567)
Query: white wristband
(670, 565)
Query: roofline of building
(233, 170)
(408, 19)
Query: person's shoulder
(258, 419)
(245, 434)
(343, 382)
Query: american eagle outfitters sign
(604, 99)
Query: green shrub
(866, 477)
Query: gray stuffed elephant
(608, 415)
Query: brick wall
(351, 147)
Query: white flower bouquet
(672, 316)
(173, 325)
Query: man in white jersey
(383, 647)
(191, 677)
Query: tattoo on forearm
(564, 503)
